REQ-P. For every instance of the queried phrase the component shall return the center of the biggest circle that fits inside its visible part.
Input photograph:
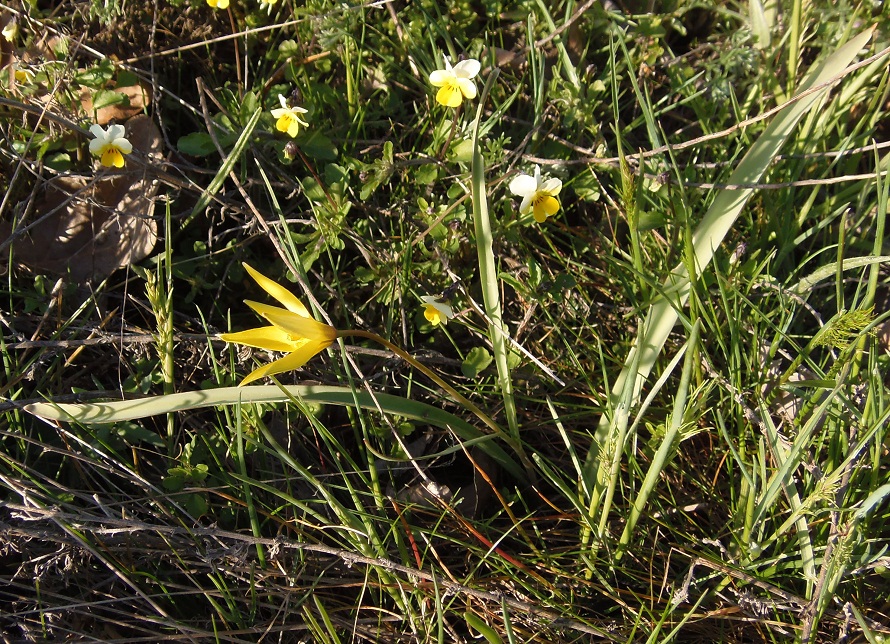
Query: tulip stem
(458, 397)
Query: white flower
(455, 82)
(537, 195)
(110, 145)
(434, 311)
(289, 119)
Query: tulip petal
(288, 299)
(296, 325)
(289, 362)
(270, 338)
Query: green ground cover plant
(445, 322)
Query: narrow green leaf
(228, 164)
(109, 412)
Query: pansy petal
(283, 123)
(436, 311)
(523, 185)
(552, 186)
(96, 146)
(467, 87)
(467, 68)
(526, 204)
(432, 314)
(433, 300)
(123, 145)
(112, 157)
(116, 132)
(285, 297)
(270, 338)
(545, 207)
(282, 101)
(450, 96)
(439, 77)
(98, 131)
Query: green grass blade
(668, 446)
(716, 223)
(227, 165)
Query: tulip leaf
(121, 410)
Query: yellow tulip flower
(293, 330)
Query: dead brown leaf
(138, 95)
(87, 228)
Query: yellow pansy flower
(293, 331)
(434, 311)
(289, 119)
(537, 195)
(218, 4)
(110, 145)
(455, 82)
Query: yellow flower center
(450, 94)
(432, 314)
(112, 156)
(544, 205)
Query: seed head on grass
(436, 312)
(456, 82)
(538, 195)
(293, 331)
(289, 119)
(110, 145)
